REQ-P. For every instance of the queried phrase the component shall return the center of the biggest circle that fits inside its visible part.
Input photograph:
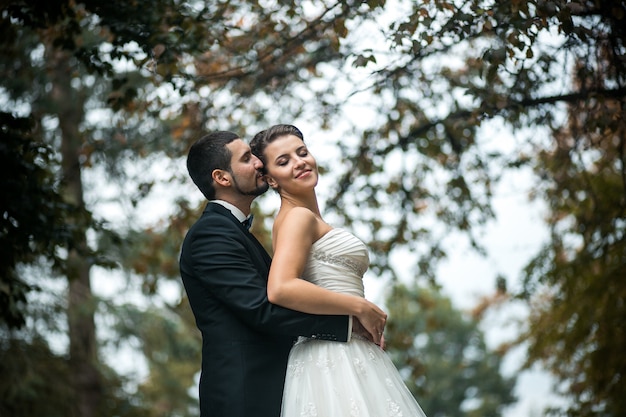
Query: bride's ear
(271, 182)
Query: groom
(245, 339)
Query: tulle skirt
(354, 379)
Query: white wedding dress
(333, 379)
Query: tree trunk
(68, 104)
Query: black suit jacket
(245, 339)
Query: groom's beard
(255, 191)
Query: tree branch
(617, 93)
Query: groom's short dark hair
(206, 155)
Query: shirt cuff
(349, 328)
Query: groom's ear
(221, 177)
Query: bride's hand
(373, 320)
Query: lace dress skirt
(354, 379)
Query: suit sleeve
(228, 265)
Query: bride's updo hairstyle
(260, 141)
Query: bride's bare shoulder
(300, 217)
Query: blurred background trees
(100, 100)
(443, 356)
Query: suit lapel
(263, 257)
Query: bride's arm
(292, 243)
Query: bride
(324, 378)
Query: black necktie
(247, 222)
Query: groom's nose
(257, 163)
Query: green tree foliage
(171, 351)
(32, 210)
(576, 284)
(447, 69)
(37, 381)
(443, 357)
(31, 390)
(58, 69)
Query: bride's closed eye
(302, 151)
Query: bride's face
(289, 165)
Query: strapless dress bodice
(337, 261)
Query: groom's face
(246, 169)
